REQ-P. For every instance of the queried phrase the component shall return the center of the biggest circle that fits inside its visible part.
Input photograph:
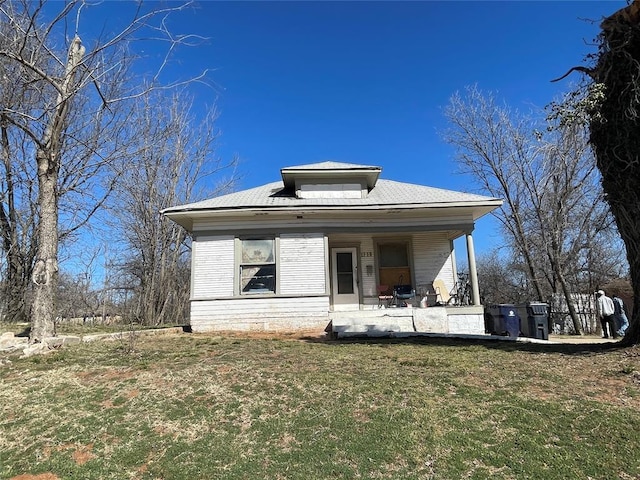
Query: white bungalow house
(321, 247)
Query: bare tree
(490, 147)
(18, 190)
(553, 203)
(175, 160)
(17, 227)
(502, 280)
(69, 95)
(75, 297)
(569, 215)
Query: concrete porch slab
(409, 320)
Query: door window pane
(344, 272)
(344, 261)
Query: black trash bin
(492, 324)
(511, 320)
(538, 320)
(502, 319)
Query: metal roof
(383, 196)
(330, 165)
(386, 193)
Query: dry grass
(272, 406)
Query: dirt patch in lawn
(41, 476)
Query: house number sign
(366, 254)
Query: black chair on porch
(402, 293)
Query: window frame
(381, 276)
(241, 265)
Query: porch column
(473, 272)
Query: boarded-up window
(393, 260)
(258, 266)
(393, 255)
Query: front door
(344, 278)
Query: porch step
(372, 323)
(373, 313)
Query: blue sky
(366, 82)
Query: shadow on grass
(493, 344)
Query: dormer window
(331, 180)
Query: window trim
(239, 264)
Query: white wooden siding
(301, 264)
(368, 264)
(303, 300)
(432, 259)
(213, 267)
(260, 314)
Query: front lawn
(226, 407)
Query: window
(330, 190)
(393, 263)
(393, 255)
(258, 266)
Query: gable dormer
(330, 180)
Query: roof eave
(184, 216)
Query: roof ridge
(330, 165)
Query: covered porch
(363, 266)
(366, 266)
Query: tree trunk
(45, 272)
(577, 327)
(15, 292)
(531, 267)
(17, 281)
(614, 135)
(632, 241)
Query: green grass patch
(203, 407)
